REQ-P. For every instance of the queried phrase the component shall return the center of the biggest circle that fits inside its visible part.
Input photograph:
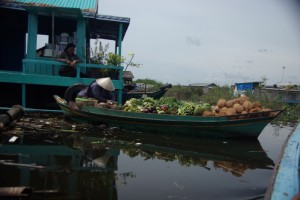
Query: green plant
(114, 59)
(130, 63)
(185, 93)
(99, 53)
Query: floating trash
(13, 139)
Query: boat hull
(285, 181)
(220, 127)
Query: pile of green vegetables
(165, 105)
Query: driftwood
(16, 112)
(15, 191)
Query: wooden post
(120, 39)
(120, 95)
(31, 50)
(81, 43)
(32, 35)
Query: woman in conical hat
(101, 89)
(105, 83)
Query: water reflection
(52, 170)
(234, 156)
(85, 166)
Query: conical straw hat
(106, 83)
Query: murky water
(122, 165)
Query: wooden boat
(237, 126)
(285, 181)
(139, 94)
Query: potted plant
(98, 56)
(114, 60)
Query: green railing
(49, 71)
(51, 67)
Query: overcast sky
(220, 41)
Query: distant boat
(139, 94)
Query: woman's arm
(62, 57)
(97, 93)
(66, 61)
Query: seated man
(101, 89)
(70, 59)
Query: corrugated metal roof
(128, 74)
(113, 18)
(89, 6)
(107, 27)
(104, 26)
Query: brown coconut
(236, 100)
(258, 109)
(243, 116)
(238, 108)
(247, 105)
(229, 103)
(230, 111)
(223, 109)
(242, 99)
(207, 113)
(221, 114)
(266, 111)
(221, 103)
(256, 104)
(253, 110)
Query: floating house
(241, 88)
(29, 76)
(286, 93)
(205, 86)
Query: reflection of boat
(231, 155)
(51, 170)
(285, 180)
(37, 162)
(238, 126)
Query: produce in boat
(169, 105)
